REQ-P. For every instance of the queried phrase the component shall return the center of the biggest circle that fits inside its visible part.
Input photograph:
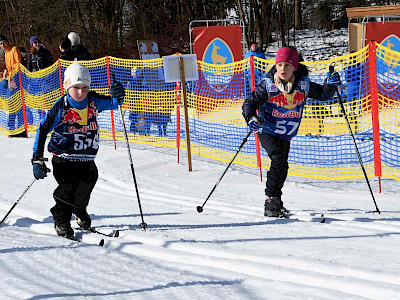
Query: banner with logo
(387, 34)
(218, 44)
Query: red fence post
(178, 117)
(375, 110)
(257, 140)
(60, 76)
(112, 112)
(23, 100)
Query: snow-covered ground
(316, 45)
(229, 251)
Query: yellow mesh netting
(153, 110)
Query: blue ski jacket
(280, 113)
(74, 127)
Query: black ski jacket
(40, 60)
(81, 53)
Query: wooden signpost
(182, 68)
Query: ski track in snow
(161, 246)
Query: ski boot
(65, 231)
(273, 207)
(283, 209)
(83, 219)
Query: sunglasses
(37, 42)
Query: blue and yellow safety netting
(153, 111)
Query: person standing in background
(65, 49)
(254, 51)
(80, 52)
(39, 58)
(12, 57)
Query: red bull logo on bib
(288, 101)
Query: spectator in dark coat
(65, 49)
(23, 55)
(39, 58)
(80, 52)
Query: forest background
(112, 27)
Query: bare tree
(111, 27)
(298, 22)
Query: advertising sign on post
(148, 49)
(172, 68)
(182, 68)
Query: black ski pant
(278, 152)
(76, 181)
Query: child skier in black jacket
(280, 99)
(74, 144)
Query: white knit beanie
(76, 74)
(74, 38)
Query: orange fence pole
(60, 76)
(257, 140)
(23, 100)
(112, 112)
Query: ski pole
(355, 145)
(200, 208)
(16, 202)
(143, 224)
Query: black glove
(117, 91)
(39, 167)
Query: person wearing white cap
(80, 52)
(74, 143)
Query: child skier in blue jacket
(74, 143)
(280, 99)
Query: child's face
(78, 92)
(285, 70)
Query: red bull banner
(218, 44)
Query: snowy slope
(230, 251)
(316, 45)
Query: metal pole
(358, 152)
(16, 202)
(200, 208)
(143, 224)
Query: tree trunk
(298, 22)
(281, 22)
